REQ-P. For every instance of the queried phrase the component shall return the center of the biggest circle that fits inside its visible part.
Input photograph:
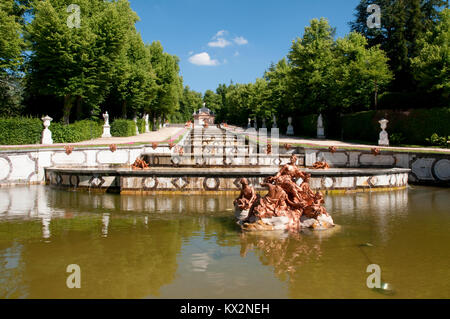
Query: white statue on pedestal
(384, 137)
(263, 123)
(46, 134)
(137, 128)
(249, 125)
(106, 126)
(255, 124)
(290, 129)
(147, 126)
(274, 121)
(106, 117)
(320, 128)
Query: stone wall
(426, 168)
(191, 180)
(27, 166)
(24, 167)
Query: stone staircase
(216, 147)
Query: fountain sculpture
(287, 205)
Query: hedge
(414, 126)
(20, 131)
(123, 128)
(76, 132)
(141, 125)
(306, 125)
(410, 100)
(23, 130)
(361, 126)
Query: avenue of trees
(50, 64)
(75, 73)
(404, 64)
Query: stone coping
(314, 143)
(81, 148)
(233, 171)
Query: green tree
(189, 103)
(431, 65)
(133, 77)
(280, 98)
(213, 101)
(169, 83)
(359, 73)
(259, 100)
(74, 64)
(312, 62)
(403, 22)
(11, 47)
(11, 42)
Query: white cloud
(236, 53)
(240, 40)
(219, 43)
(220, 34)
(203, 59)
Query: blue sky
(218, 41)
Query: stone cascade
(214, 147)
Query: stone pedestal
(320, 132)
(106, 131)
(137, 128)
(46, 133)
(147, 126)
(384, 137)
(320, 128)
(290, 128)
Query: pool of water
(189, 247)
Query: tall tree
(403, 22)
(11, 47)
(133, 77)
(189, 103)
(74, 63)
(432, 64)
(312, 61)
(213, 101)
(11, 42)
(169, 83)
(360, 73)
(279, 84)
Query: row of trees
(75, 61)
(335, 76)
(50, 62)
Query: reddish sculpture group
(285, 198)
(140, 163)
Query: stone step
(259, 160)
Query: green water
(190, 247)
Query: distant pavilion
(204, 115)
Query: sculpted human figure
(286, 178)
(271, 205)
(247, 196)
(285, 203)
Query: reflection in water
(105, 224)
(46, 227)
(189, 246)
(200, 262)
(285, 252)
